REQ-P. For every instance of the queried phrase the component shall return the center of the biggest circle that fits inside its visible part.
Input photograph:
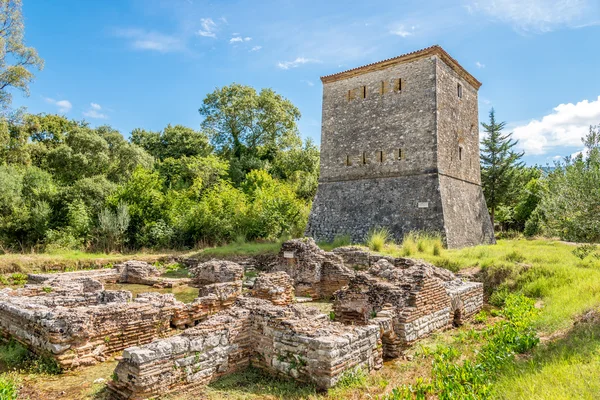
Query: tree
(16, 59)
(249, 128)
(570, 205)
(173, 142)
(499, 164)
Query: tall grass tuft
(341, 240)
(378, 238)
(437, 248)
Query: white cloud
(141, 39)
(309, 83)
(208, 27)
(296, 63)
(479, 65)
(239, 39)
(256, 48)
(539, 15)
(94, 114)
(64, 106)
(564, 127)
(401, 31)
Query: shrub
(353, 378)
(437, 248)
(17, 357)
(584, 250)
(378, 238)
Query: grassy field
(561, 278)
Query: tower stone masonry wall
(400, 149)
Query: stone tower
(400, 149)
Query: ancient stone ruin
(316, 273)
(381, 305)
(294, 341)
(418, 297)
(71, 317)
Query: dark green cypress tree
(499, 164)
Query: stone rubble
(316, 273)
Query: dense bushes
(68, 186)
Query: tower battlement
(400, 149)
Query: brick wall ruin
(294, 341)
(71, 317)
(418, 297)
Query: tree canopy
(16, 59)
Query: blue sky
(148, 63)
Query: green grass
(71, 261)
(14, 356)
(567, 367)
(241, 249)
(9, 386)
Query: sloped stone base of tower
(424, 202)
(466, 217)
(401, 204)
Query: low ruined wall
(408, 299)
(84, 329)
(212, 299)
(107, 275)
(294, 341)
(195, 358)
(466, 299)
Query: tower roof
(408, 57)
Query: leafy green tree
(499, 164)
(219, 216)
(195, 173)
(16, 59)
(274, 208)
(83, 154)
(300, 167)
(143, 195)
(249, 128)
(173, 142)
(124, 157)
(570, 205)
